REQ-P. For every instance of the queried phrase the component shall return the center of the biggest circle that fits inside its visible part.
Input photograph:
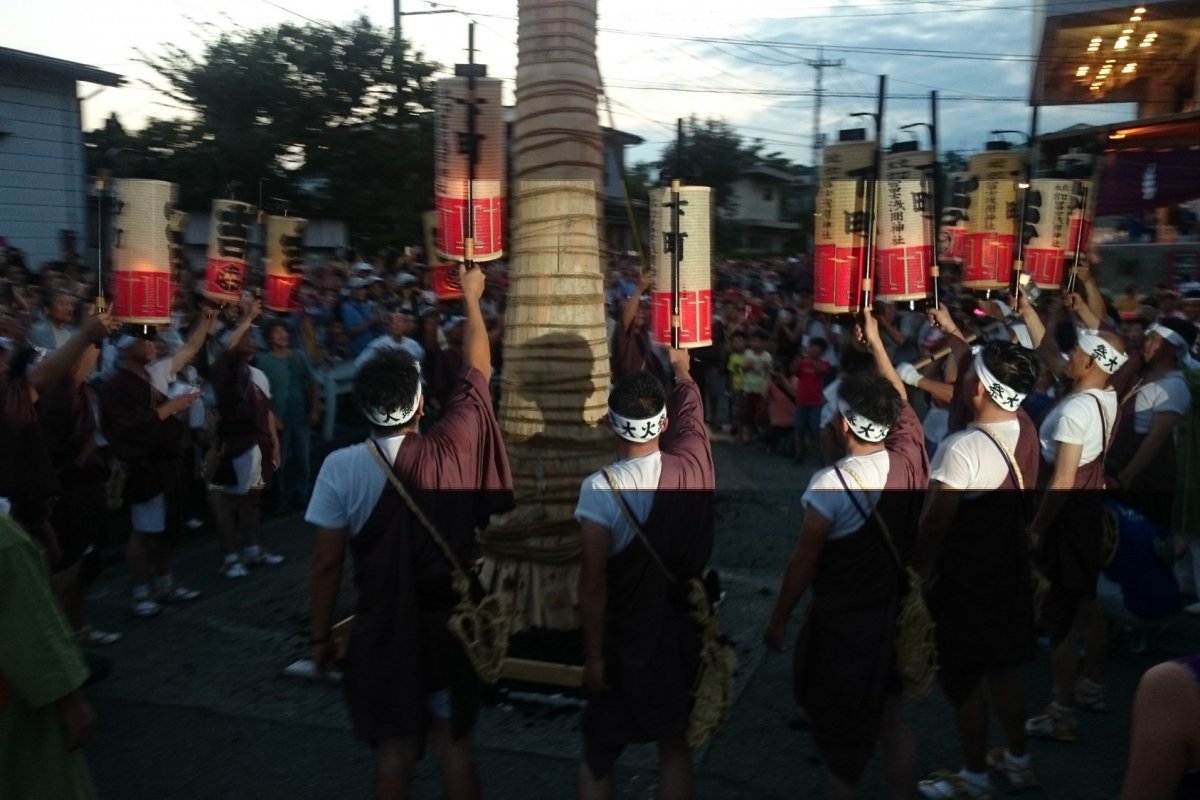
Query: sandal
(1056, 724)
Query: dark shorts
(808, 419)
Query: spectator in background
(811, 372)
(400, 325)
(359, 316)
(294, 398)
(756, 366)
(59, 324)
(736, 367)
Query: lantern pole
(873, 197)
(676, 237)
(101, 183)
(472, 149)
(931, 227)
(1018, 266)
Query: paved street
(197, 707)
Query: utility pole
(398, 43)
(820, 64)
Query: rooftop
(32, 62)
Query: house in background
(618, 231)
(43, 181)
(759, 213)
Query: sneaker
(94, 637)
(1090, 695)
(1194, 608)
(145, 607)
(1018, 777)
(174, 593)
(947, 785)
(257, 557)
(234, 569)
(1056, 723)
(194, 524)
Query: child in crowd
(811, 372)
(756, 366)
(737, 383)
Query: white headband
(1107, 357)
(126, 340)
(1178, 341)
(860, 426)
(637, 430)
(1001, 393)
(383, 418)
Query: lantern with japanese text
(952, 228)
(285, 262)
(443, 278)
(142, 283)
(992, 217)
(228, 237)
(454, 187)
(904, 251)
(841, 219)
(1056, 228)
(695, 265)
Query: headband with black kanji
(390, 418)
(1001, 393)
(860, 426)
(1107, 357)
(638, 430)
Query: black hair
(22, 359)
(637, 396)
(855, 359)
(817, 341)
(270, 327)
(1013, 365)
(1184, 328)
(872, 396)
(388, 380)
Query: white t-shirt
(826, 494)
(386, 342)
(969, 461)
(349, 486)
(1076, 420)
(754, 369)
(637, 478)
(1168, 393)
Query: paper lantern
(1056, 225)
(992, 217)
(841, 219)
(952, 231)
(695, 266)
(228, 235)
(905, 162)
(142, 251)
(904, 243)
(453, 104)
(285, 262)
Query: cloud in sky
(661, 59)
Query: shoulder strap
(1014, 471)
(1103, 428)
(377, 452)
(637, 528)
(883, 528)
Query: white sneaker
(257, 557)
(1194, 608)
(194, 524)
(145, 607)
(234, 569)
(947, 785)
(1019, 777)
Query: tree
(306, 117)
(713, 154)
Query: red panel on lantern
(952, 244)
(142, 296)
(280, 292)
(224, 279)
(903, 273)
(695, 317)
(452, 227)
(989, 260)
(445, 282)
(837, 278)
(1079, 234)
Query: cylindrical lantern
(228, 235)
(952, 230)
(1055, 225)
(452, 176)
(904, 162)
(141, 275)
(992, 217)
(695, 265)
(285, 262)
(904, 251)
(842, 216)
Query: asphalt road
(197, 708)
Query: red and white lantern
(1058, 219)
(992, 217)
(695, 266)
(904, 239)
(142, 285)
(452, 176)
(228, 239)
(285, 262)
(952, 231)
(841, 219)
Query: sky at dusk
(746, 62)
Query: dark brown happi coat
(844, 662)
(245, 417)
(982, 595)
(27, 476)
(151, 448)
(631, 352)
(651, 644)
(399, 648)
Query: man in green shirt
(44, 716)
(293, 399)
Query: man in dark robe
(405, 675)
(247, 444)
(139, 420)
(632, 349)
(973, 543)
(859, 526)
(641, 646)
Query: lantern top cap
(852, 135)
